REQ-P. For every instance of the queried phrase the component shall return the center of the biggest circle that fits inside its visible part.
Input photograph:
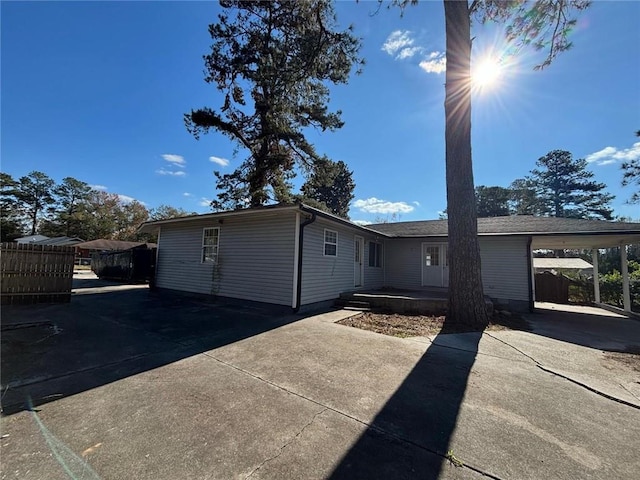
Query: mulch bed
(404, 326)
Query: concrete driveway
(127, 384)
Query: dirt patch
(404, 326)
(631, 360)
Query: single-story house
(299, 256)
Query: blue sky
(97, 91)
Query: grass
(453, 459)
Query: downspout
(530, 275)
(300, 252)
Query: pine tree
(565, 188)
(331, 185)
(272, 61)
(542, 24)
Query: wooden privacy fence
(552, 288)
(35, 273)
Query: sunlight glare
(487, 73)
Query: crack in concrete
(515, 348)
(370, 426)
(569, 379)
(282, 448)
(591, 389)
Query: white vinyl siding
(403, 262)
(255, 258)
(505, 274)
(325, 277)
(504, 265)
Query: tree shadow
(53, 351)
(601, 331)
(411, 435)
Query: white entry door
(435, 265)
(358, 265)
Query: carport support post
(596, 276)
(626, 297)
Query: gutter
(530, 274)
(308, 221)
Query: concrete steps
(350, 304)
(404, 302)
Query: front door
(358, 265)
(435, 265)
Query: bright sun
(486, 73)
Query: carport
(595, 236)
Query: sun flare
(487, 73)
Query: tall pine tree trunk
(466, 298)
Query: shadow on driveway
(422, 413)
(586, 326)
(53, 351)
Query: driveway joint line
(289, 442)
(591, 389)
(565, 377)
(371, 426)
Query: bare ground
(403, 326)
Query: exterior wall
(505, 274)
(504, 266)
(255, 258)
(403, 262)
(325, 277)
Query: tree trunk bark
(466, 298)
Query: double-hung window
(210, 242)
(330, 243)
(375, 254)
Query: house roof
(150, 227)
(513, 225)
(31, 238)
(59, 241)
(560, 263)
(103, 244)
(547, 232)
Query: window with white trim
(210, 242)
(330, 243)
(375, 254)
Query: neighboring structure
(85, 249)
(31, 238)
(546, 264)
(58, 241)
(299, 256)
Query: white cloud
(173, 173)
(375, 205)
(126, 198)
(100, 188)
(223, 162)
(436, 63)
(417, 204)
(187, 194)
(397, 41)
(177, 160)
(610, 155)
(408, 52)
(205, 202)
(362, 222)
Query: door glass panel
(357, 251)
(432, 256)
